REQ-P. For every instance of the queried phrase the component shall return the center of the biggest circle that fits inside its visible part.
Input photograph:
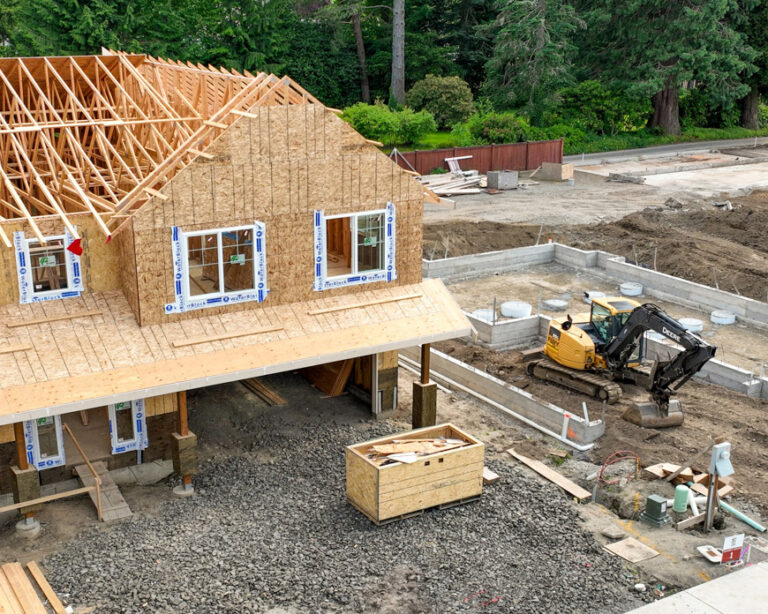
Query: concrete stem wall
(546, 416)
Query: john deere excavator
(590, 352)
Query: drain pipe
(506, 410)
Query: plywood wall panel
(282, 165)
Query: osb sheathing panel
(128, 272)
(6, 433)
(277, 168)
(163, 404)
(100, 260)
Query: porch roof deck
(52, 366)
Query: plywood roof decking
(85, 362)
(102, 134)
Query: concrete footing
(28, 528)
(184, 491)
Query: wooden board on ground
(113, 505)
(27, 599)
(50, 594)
(631, 550)
(264, 392)
(553, 476)
(490, 477)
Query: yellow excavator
(590, 352)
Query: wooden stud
(183, 418)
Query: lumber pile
(411, 450)
(452, 184)
(685, 475)
(18, 594)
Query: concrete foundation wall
(508, 334)
(715, 371)
(546, 415)
(489, 263)
(609, 266)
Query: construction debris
(490, 477)
(450, 185)
(631, 550)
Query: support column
(184, 450)
(25, 483)
(424, 411)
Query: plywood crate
(387, 492)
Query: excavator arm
(666, 376)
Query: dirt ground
(698, 242)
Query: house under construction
(167, 227)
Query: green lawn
(596, 143)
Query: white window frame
(32, 445)
(388, 271)
(185, 301)
(72, 264)
(140, 439)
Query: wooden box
(386, 492)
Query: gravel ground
(270, 529)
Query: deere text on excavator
(590, 352)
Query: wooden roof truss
(102, 134)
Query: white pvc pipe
(484, 399)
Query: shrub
(412, 125)
(573, 137)
(449, 99)
(491, 127)
(762, 115)
(700, 108)
(380, 123)
(373, 121)
(592, 107)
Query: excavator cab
(608, 317)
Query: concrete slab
(740, 592)
(711, 182)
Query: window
(43, 439)
(128, 426)
(47, 271)
(601, 320)
(354, 248)
(215, 267)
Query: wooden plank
(8, 601)
(366, 304)
(490, 477)
(50, 595)
(553, 476)
(209, 339)
(656, 471)
(264, 392)
(22, 587)
(631, 550)
(46, 499)
(58, 318)
(15, 348)
(342, 378)
(689, 522)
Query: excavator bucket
(650, 416)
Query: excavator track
(582, 381)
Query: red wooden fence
(510, 157)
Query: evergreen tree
(655, 47)
(533, 52)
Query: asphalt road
(659, 151)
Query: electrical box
(720, 463)
(655, 512)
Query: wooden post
(425, 363)
(183, 420)
(21, 455)
(21, 448)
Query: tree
(398, 52)
(656, 47)
(754, 25)
(533, 53)
(448, 99)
